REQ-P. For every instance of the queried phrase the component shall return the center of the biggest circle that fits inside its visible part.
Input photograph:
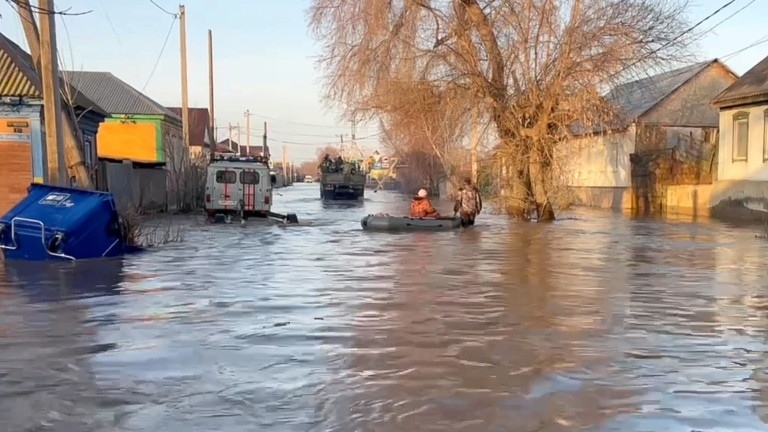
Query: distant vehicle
(309, 179)
(346, 184)
(239, 187)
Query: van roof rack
(253, 159)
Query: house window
(226, 177)
(740, 136)
(765, 135)
(249, 177)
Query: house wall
(754, 168)
(690, 105)
(21, 147)
(139, 139)
(599, 170)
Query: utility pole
(238, 138)
(71, 138)
(474, 143)
(210, 93)
(50, 80)
(285, 163)
(341, 146)
(267, 153)
(247, 114)
(184, 95)
(229, 135)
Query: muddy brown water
(597, 323)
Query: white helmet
(422, 193)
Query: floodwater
(596, 323)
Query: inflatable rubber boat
(381, 222)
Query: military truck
(342, 182)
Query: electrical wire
(160, 56)
(161, 8)
(685, 32)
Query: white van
(239, 187)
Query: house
(254, 150)
(201, 133)
(743, 147)
(230, 144)
(138, 129)
(22, 137)
(224, 149)
(140, 142)
(664, 122)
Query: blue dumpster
(61, 223)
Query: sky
(265, 59)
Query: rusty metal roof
(753, 84)
(200, 133)
(18, 77)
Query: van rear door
(224, 194)
(251, 189)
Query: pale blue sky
(264, 57)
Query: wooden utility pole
(239, 139)
(285, 165)
(71, 137)
(229, 135)
(247, 115)
(210, 93)
(50, 80)
(267, 153)
(184, 94)
(474, 144)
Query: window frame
(242, 177)
(765, 135)
(738, 118)
(219, 180)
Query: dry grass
(144, 232)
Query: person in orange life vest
(421, 207)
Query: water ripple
(591, 323)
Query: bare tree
(535, 68)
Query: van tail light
(266, 199)
(208, 198)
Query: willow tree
(423, 134)
(533, 67)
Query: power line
(685, 32)
(111, 24)
(296, 123)
(160, 56)
(729, 17)
(161, 8)
(760, 41)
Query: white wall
(753, 168)
(601, 160)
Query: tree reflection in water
(485, 335)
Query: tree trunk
(540, 169)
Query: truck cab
(239, 187)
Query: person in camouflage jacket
(468, 203)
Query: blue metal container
(61, 223)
